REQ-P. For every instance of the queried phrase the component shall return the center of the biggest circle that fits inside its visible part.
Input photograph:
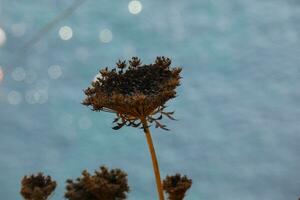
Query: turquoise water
(237, 135)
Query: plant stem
(154, 160)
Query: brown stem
(154, 160)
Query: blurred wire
(67, 12)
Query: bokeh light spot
(84, 123)
(65, 33)
(129, 51)
(82, 53)
(105, 36)
(19, 74)
(43, 96)
(135, 7)
(54, 71)
(32, 97)
(30, 76)
(14, 97)
(42, 84)
(36, 96)
(2, 37)
(67, 119)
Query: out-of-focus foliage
(176, 186)
(104, 184)
(37, 187)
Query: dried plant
(37, 187)
(137, 94)
(103, 185)
(176, 186)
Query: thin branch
(66, 13)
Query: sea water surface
(238, 108)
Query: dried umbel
(176, 186)
(37, 187)
(135, 92)
(103, 185)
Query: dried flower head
(103, 185)
(135, 92)
(37, 187)
(176, 186)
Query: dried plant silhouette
(176, 186)
(103, 185)
(137, 94)
(37, 187)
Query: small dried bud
(121, 64)
(176, 186)
(104, 72)
(135, 62)
(165, 62)
(37, 187)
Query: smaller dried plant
(176, 186)
(103, 185)
(37, 187)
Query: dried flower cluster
(103, 185)
(176, 186)
(135, 92)
(37, 187)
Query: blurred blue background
(238, 106)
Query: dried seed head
(121, 64)
(134, 62)
(139, 92)
(37, 187)
(176, 186)
(103, 185)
